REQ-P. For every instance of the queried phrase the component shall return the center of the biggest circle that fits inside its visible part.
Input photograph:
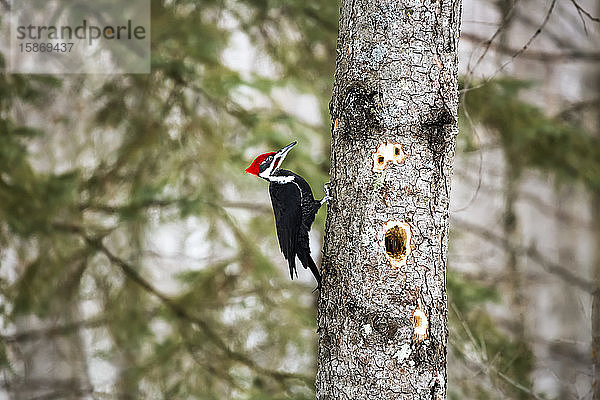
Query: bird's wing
(286, 201)
(309, 205)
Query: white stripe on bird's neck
(280, 179)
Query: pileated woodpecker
(293, 205)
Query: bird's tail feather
(307, 262)
(292, 265)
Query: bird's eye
(270, 158)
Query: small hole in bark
(399, 155)
(397, 242)
(420, 324)
(385, 153)
(380, 158)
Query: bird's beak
(280, 156)
(283, 152)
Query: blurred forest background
(138, 261)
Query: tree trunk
(51, 366)
(596, 298)
(595, 206)
(382, 311)
(511, 234)
(596, 278)
(510, 219)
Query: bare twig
(533, 254)
(572, 55)
(561, 40)
(531, 39)
(517, 53)
(584, 12)
(480, 155)
(488, 43)
(486, 367)
(531, 198)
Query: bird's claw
(327, 197)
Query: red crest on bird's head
(266, 165)
(254, 167)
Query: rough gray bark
(395, 81)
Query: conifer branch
(132, 274)
(66, 329)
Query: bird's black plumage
(295, 208)
(293, 205)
